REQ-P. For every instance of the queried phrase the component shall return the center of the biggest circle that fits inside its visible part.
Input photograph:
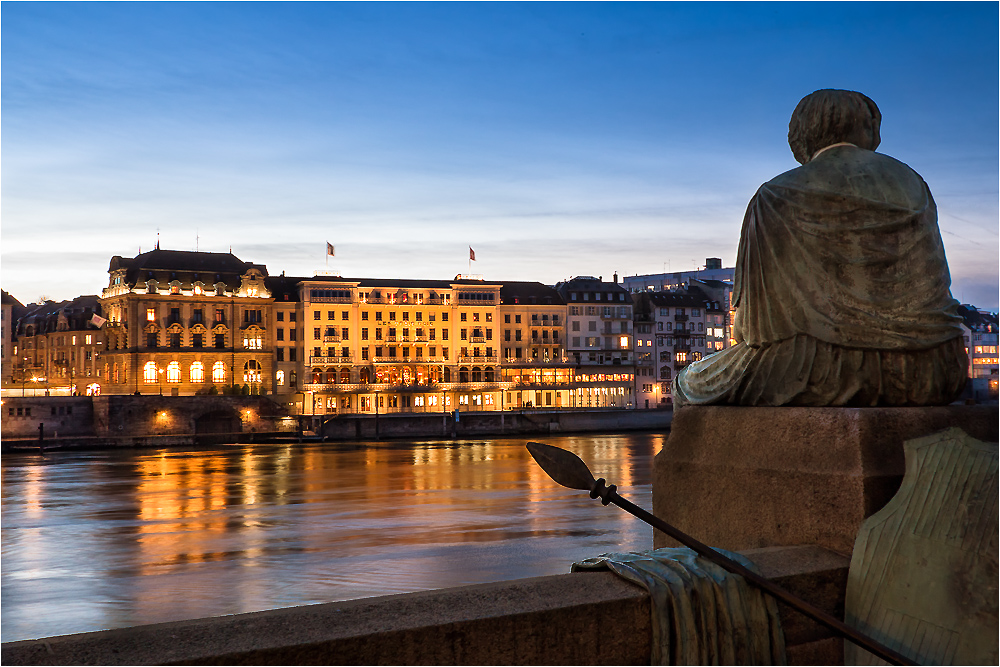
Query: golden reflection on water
(183, 534)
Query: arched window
(447, 374)
(331, 376)
(93, 389)
(280, 377)
(317, 376)
(218, 372)
(173, 372)
(251, 371)
(463, 374)
(149, 372)
(365, 376)
(197, 372)
(489, 375)
(114, 376)
(345, 375)
(477, 374)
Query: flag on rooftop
(472, 254)
(329, 249)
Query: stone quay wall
(136, 421)
(519, 422)
(584, 618)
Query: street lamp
(161, 371)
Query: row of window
(596, 296)
(152, 374)
(544, 317)
(534, 335)
(592, 326)
(622, 312)
(198, 340)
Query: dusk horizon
(555, 140)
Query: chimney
(616, 277)
(600, 279)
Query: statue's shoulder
(853, 171)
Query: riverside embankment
(153, 421)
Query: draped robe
(842, 294)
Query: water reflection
(109, 539)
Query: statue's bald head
(831, 116)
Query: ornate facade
(185, 323)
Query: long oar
(569, 470)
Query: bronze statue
(842, 291)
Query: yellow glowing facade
(182, 323)
(383, 346)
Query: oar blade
(565, 467)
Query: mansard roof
(588, 284)
(45, 317)
(165, 266)
(676, 299)
(529, 293)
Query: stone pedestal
(743, 478)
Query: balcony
(409, 360)
(477, 339)
(680, 318)
(340, 359)
(391, 339)
(331, 299)
(477, 360)
(331, 339)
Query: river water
(107, 539)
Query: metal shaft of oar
(569, 470)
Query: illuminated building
(533, 319)
(58, 347)
(981, 330)
(12, 311)
(184, 323)
(383, 346)
(599, 342)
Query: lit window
(251, 371)
(218, 372)
(151, 314)
(252, 290)
(173, 372)
(623, 341)
(149, 372)
(280, 377)
(88, 339)
(197, 372)
(252, 342)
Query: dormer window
(198, 289)
(151, 287)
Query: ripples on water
(110, 539)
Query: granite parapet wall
(750, 477)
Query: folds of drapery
(805, 371)
(845, 249)
(701, 614)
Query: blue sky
(556, 139)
